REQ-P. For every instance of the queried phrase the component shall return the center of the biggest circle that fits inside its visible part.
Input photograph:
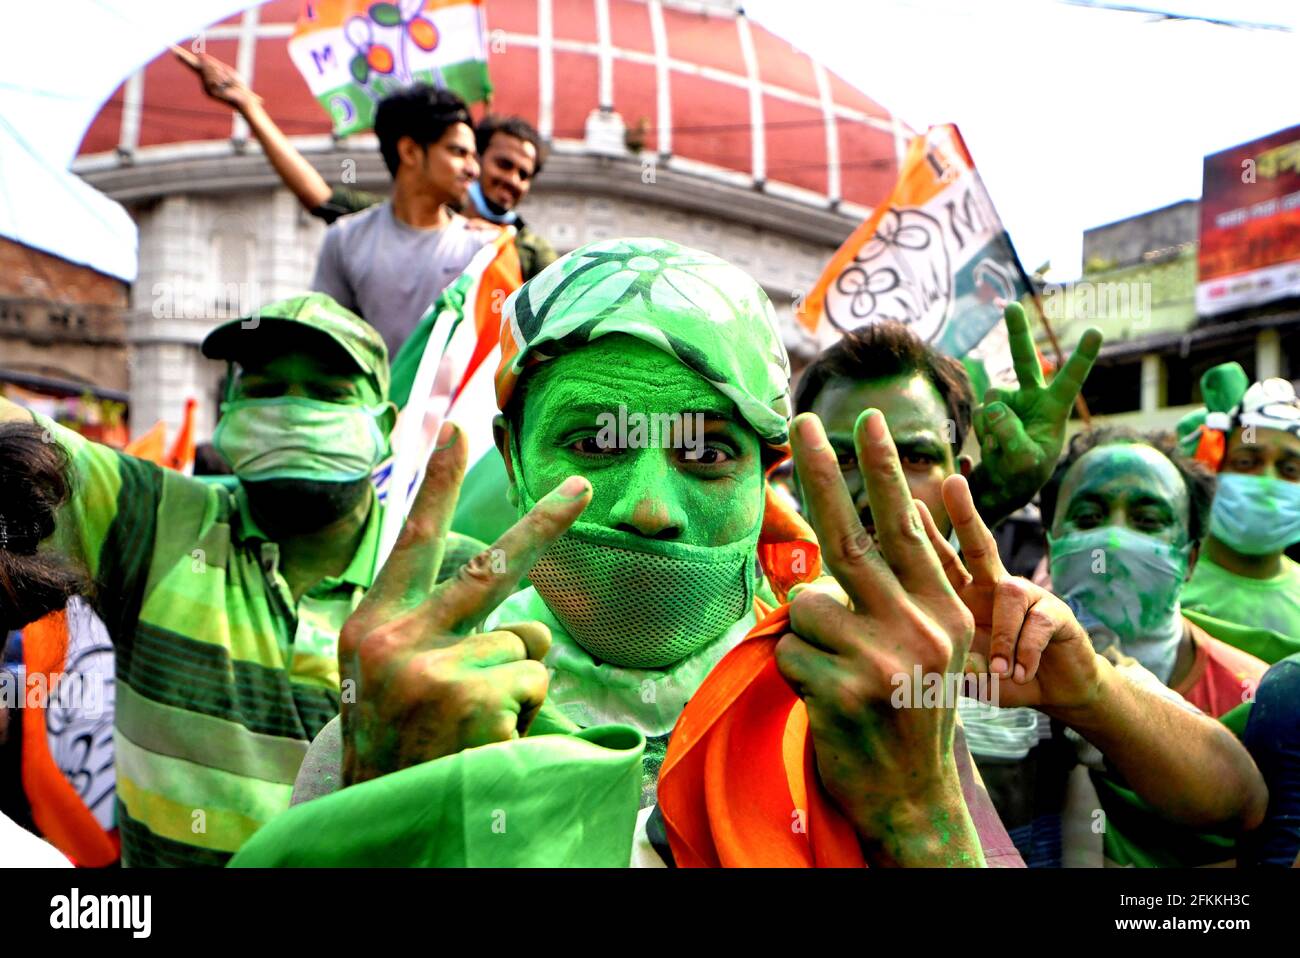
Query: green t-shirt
(1268, 608)
(222, 677)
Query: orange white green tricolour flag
(935, 256)
(455, 377)
(354, 52)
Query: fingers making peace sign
(418, 681)
(1024, 636)
(1021, 431)
(889, 765)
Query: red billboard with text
(1250, 225)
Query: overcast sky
(1075, 117)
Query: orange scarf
(739, 785)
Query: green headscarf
(701, 310)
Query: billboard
(1250, 225)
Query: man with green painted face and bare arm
(1127, 516)
(224, 605)
(927, 402)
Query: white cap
(1270, 404)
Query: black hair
(34, 482)
(422, 112)
(515, 126)
(882, 351)
(1200, 482)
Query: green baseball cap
(318, 312)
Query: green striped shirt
(222, 678)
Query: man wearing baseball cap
(225, 604)
(1244, 575)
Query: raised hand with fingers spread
(1024, 636)
(1021, 431)
(892, 770)
(423, 683)
(1187, 766)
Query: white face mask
(1130, 583)
(1256, 515)
(290, 437)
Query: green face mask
(295, 438)
(638, 602)
(1128, 582)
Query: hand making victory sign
(1025, 636)
(425, 684)
(892, 770)
(1021, 431)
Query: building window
(1183, 381)
(1112, 389)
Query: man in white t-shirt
(388, 263)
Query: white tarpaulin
(53, 80)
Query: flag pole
(1079, 402)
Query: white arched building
(665, 117)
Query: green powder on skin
(713, 504)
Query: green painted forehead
(697, 309)
(911, 404)
(1124, 472)
(621, 371)
(309, 367)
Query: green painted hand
(890, 612)
(1021, 431)
(419, 680)
(1025, 637)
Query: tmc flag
(934, 256)
(354, 52)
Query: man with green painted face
(644, 387)
(1128, 515)
(641, 553)
(225, 604)
(927, 400)
(1244, 575)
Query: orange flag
(934, 256)
(739, 786)
(150, 445)
(181, 455)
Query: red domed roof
(733, 95)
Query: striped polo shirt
(222, 678)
